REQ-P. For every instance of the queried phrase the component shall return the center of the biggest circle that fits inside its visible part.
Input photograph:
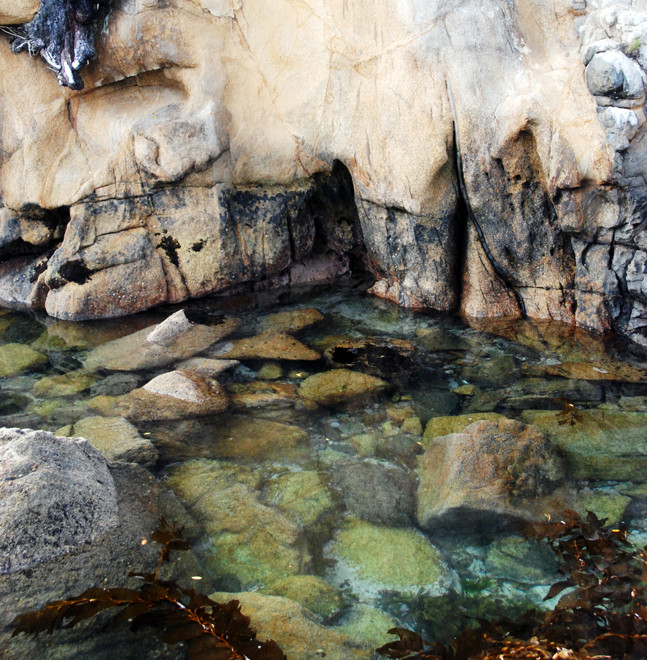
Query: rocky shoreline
(486, 158)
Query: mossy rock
(312, 592)
(441, 426)
(338, 386)
(73, 382)
(520, 560)
(251, 544)
(367, 624)
(374, 557)
(601, 444)
(609, 505)
(16, 358)
(302, 496)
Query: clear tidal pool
(320, 504)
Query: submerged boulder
(56, 493)
(251, 544)
(374, 558)
(172, 395)
(115, 438)
(339, 386)
(176, 338)
(599, 444)
(494, 472)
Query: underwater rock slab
(337, 386)
(172, 395)
(310, 591)
(302, 496)
(374, 558)
(15, 358)
(268, 346)
(601, 444)
(251, 544)
(447, 424)
(56, 493)
(160, 345)
(248, 438)
(207, 367)
(262, 394)
(604, 370)
(492, 472)
(376, 491)
(295, 630)
(116, 438)
(291, 321)
(73, 382)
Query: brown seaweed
(601, 612)
(210, 630)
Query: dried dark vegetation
(63, 33)
(210, 630)
(602, 615)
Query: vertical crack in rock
(62, 32)
(500, 272)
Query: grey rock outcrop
(56, 493)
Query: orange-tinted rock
(268, 346)
(494, 471)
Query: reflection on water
(377, 482)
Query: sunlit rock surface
(486, 156)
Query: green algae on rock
(268, 346)
(312, 592)
(605, 444)
(337, 386)
(248, 438)
(441, 426)
(520, 560)
(295, 630)
(302, 496)
(290, 321)
(251, 543)
(374, 558)
(73, 382)
(115, 438)
(16, 358)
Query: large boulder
(494, 472)
(57, 493)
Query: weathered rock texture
(56, 493)
(484, 155)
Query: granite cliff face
(482, 155)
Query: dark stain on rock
(170, 245)
(75, 271)
(198, 245)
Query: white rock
(620, 124)
(168, 330)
